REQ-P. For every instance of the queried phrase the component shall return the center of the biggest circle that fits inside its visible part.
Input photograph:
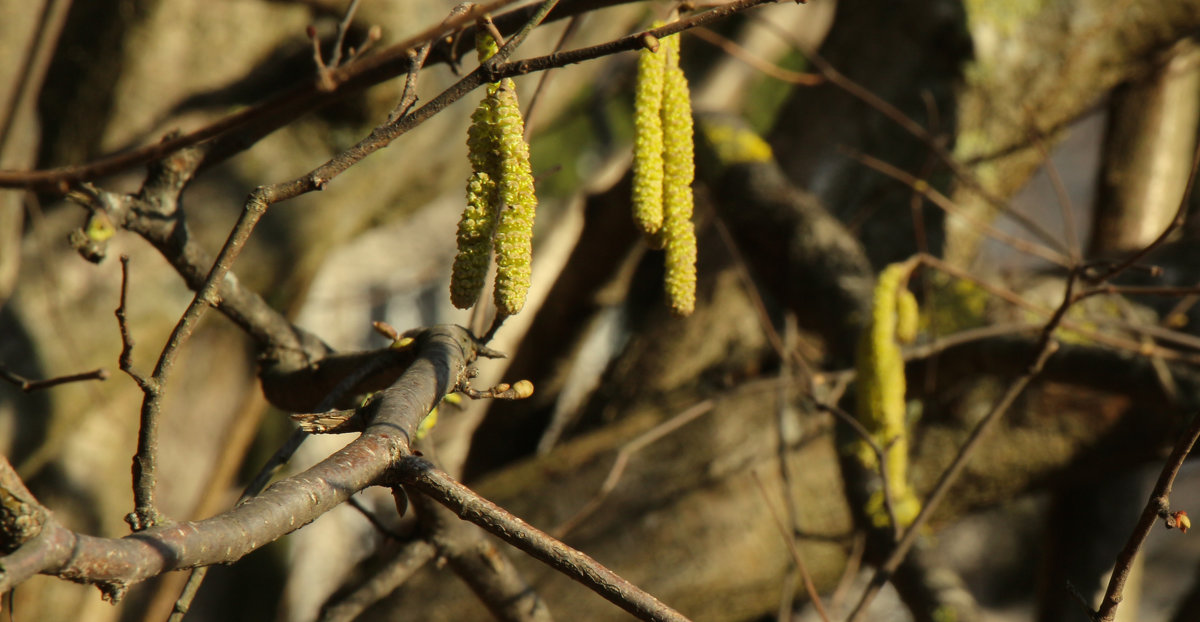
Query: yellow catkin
(648, 141)
(518, 203)
(735, 145)
(475, 230)
(680, 279)
(880, 397)
(678, 171)
(500, 199)
(478, 221)
(908, 316)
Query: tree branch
(1157, 507)
(281, 109)
(286, 506)
(423, 476)
(411, 558)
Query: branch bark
(113, 564)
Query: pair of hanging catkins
(500, 200)
(663, 166)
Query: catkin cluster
(500, 200)
(880, 390)
(664, 166)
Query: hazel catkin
(678, 172)
(475, 230)
(880, 388)
(500, 200)
(517, 203)
(648, 141)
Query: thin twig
(256, 486)
(28, 386)
(942, 201)
(1012, 297)
(622, 460)
(474, 558)
(544, 79)
(880, 457)
(766, 67)
(423, 476)
(1176, 222)
(335, 57)
(145, 461)
(897, 116)
(375, 521)
(324, 76)
(58, 179)
(407, 562)
(1064, 199)
(370, 70)
(784, 531)
(409, 97)
(1157, 507)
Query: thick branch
(284, 507)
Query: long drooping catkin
(880, 392)
(500, 200)
(648, 140)
(678, 172)
(514, 231)
(475, 230)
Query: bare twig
(28, 386)
(961, 172)
(945, 204)
(1013, 298)
(371, 70)
(196, 578)
(1176, 222)
(622, 460)
(145, 461)
(335, 58)
(1157, 507)
(409, 97)
(784, 531)
(114, 563)
(1063, 200)
(324, 76)
(368, 514)
(408, 561)
(475, 559)
(766, 67)
(423, 476)
(544, 79)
